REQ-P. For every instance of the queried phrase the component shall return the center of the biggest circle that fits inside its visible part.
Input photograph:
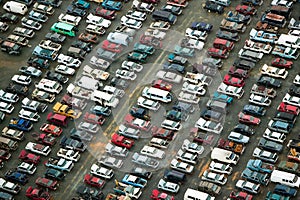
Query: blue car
(81, 4)
(37, 16)
(101, 110)
(254, 110)
(134, 181)
(262, 36)
(285, 190)
(20, 124)
(174, 67)
(15, 176)
(111, 5)
(183, 51)
(44, 53)
(201, 26)
(222, 97)
(256, 177)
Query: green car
(273, 196)
(183, 51)
(143, 48)
(137, 56)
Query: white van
(225, 156)
(119, 38)
(285, 178)
(88, 83)
(222, 2)
(191, 194)
(289, 41)
(105, 99)
(157, 94)
(15, 7)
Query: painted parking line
(205, 167)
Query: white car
(296, 80)
(124, 74)
(231, 90)
(99, 62)
(274, 136)
(220, 167)
(131, 23)
(98, 30)
(131, 66)
(187, 156)
(238, 138)
(114, 150)
(26, 168)
(169, 76)
(69, 19)
(68, 154)
(292, 100)
(214, 177)
(102, 172)
(111, 162)
(172, 125)
(21, 79)
(29, 23)
(181, 166)
(294, 33)
(192, 43)
(34, 105)
(155, 33)
(260, 100)
(98, 21)
(137, 15)
(6, 107)
(258, 46)
(9, 186)
(168, 186)
(274, 71)
(89, 127)
(160, 25)
(209, 126)
(159, 143)
(195, 34)
(48, 44)
(46, 9)
(38, 148)
(8, 97)
(192, 147)
(68, 61)
(282, 3)
(188, 97)
(32, 116)
(13, 134)
(248, 186)
(152, 152)
(194, 89)
(147, 103)
(63, 69)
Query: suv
(11, 48)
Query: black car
(270, 145)
(213, 7)
(38, 62)
(269, 82)
(228, 35)
(54, 174)
(284, 116)
(141, 113)
(212, 115)
(243, 129)
(56, 37)
(294, 90)
(8, 17)
(252, 2)
(82, 45)
(70, 143)
(56, 77)
(80, 135)
(73, 10)
(140, 172)
(254, 110)
(244, 64)
(89, 193)
(119, 83)
(17, 89)
(175, 10)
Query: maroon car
(94, 181)
(94, 119)
(151, 41)
(4, 154)
(240, 196)
(280, 62)
(248, 119)
(163, 133)
(107, 14)
(44, 138)
(237, 72)
(37, 194)
(47, 183)
(234, 81)
(29, 157)
(204, 138)
(246, 10)
(218, 53)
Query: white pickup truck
(68, 154)
(48, 44)
(77, 91)
(198, 79)
(262, 90)
(97, 74)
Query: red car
(246, 10)
(234, 81)
(151, 41)
(109, 46)
(223, 44)
(88, 37)
(94, 181)
(283, 107)
(44, 138)
(4, 154)
(29, 157)
(47, 183)
(94, 119)
(37, 194)
(107, 14)
(240, 196)
(248, 119)
(217, 53)
(157, 195)
(204, 138)
(280, 62)
(163, 85)
(137, 123)
(121, 141)
(51, 129)
(163, 133)
(237, 72)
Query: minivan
(285, 178)
(8, 144)
(157, 94)
(174, 176)
(161, 15)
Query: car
(238, 17)
(28, 168)
(22, 79)
(83, 45)
(51, 129)
(194, 89)
(3, 26)
(152, 152)
(294, 90)
(68, 154)
(201, 26)
(281, 62)
(230, 90)
(111, 162)
(246, 9)
(294, 32)
(187, 157)
(37, 193)
(15, 176)
(131, 66)
(163, 133)
(90, 193)
(214, 177)
(254, 110)
(156, 195)
(174, 67)
(42, 8)
(217, 53)
(184, 51)
(38, 62)
(6, 107)
(291, 100)
(248, 186)
(131, 23)
(237, 82)
(228, 35)
(150, 41)
(237, 72)
(9, 17)
(171, 125)
(127, 75)
(55, 37)
(220, 168)
(109, 46)
(88, 37)
(94, 119)
(94, 181)
(274, 136)
(137, 57)
(29, 157)
(144, 161)
(169, 76)
(37, 16)
(269, 82)
(69, 143)
(136, 15)
(42, 96)
(44, 53)
(168, 186)
(140, 172)
(114, 150)
(8, 97)
(4, 154)
(222, 97)
(38, 148)
(107, 55)
(68, 61)
(285, 190)
(60, 164)
(142, 48)
(270, 145)
(210, 126)
(28, 23)
(283, 107)
(181, 166)
(54, 174)
(97, 20)
(210, 6)
(29, 115)
(47, 183)
(134, 181)
(160, 25)
(265, 155)
(232, 26)
(9, 186)
(296, 80)
(173, 58)
(75, 11)
(274, 71)
(280, 126)
(45, 139)
(285, 52)
(80, 135)
(294, 25)
(155, 33)
(138, 123)
(189, 98)
(238, 137)
(105, 13)
(51, 75)
(101, 171)
(20, 124)
(248, 119)
(192, 43)
(163, 85)
(147, 103)
(30, 71)
(121, 141)
(112, 5)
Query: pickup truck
(232, 146)
(260, 166)
(291, 167)
(48, 44)
(128, 190)
(80, 92)
(44, 138)
(68, 154)
(97, 74)
(66, 111)
(142, 6)
(199, 79)
(60, 164)
(262, 90)
(263, 36)
(294, 155)
(20, 124)
(285, 52)
(258, 46)
(266, 27)
(34, 105)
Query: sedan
(94, 181)
(147, 103)
(214, 177)
(89, 127)
(88, 37)
(30, 71)
(111, 162)
(217, 53)
(63, 69)
(134, 181)
(248, 119)
(237, 82)
(168, 186)
(228, 35)
(192, 147)
(131, 23)
(6, 107)
(281, 62)
(283, 107)
(220, 167)
(292, 100)
(248, 186)
(246, 10)
(124, 74)
(9, 17)
(270, 145)
(239, 138)
(269, 82)
(21, 79)
(254, 110)
(181, 166)
(47, 183)
(274, 136)
(265, 155)
(31, 24)
(32, 116)
(37, 16)
(136, 15)
(109, 46)
(152, 152)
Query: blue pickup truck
(20, 124)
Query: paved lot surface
(10, 64)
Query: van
(157, 94)
(289, 41)
(224, 156)
(285, 178)
(76, 53)
(217, 106)
(88, 83)
(8, 144)
(15, 7)
(281, 10)
(222, 2)
(161, 15)
(174, 176)
(119, 38)
(57, 119)
(191, 194)
(105, 99)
